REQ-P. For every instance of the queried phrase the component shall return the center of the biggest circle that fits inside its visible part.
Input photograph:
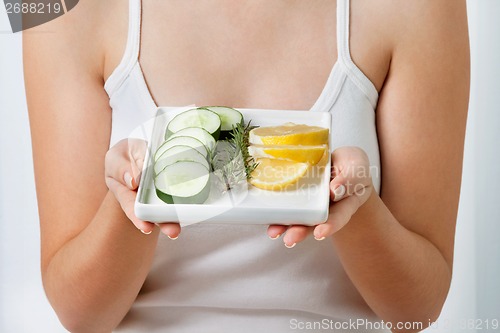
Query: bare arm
(94, 261)
(398, 248)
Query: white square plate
(307, 203)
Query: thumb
(129, 180)
(132, 176)
(338, 184)
(137, 152)
(337, 191)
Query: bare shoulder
(412, 25)
(384, 29)
(431, 19)
(82, 37)
(431, 40)
(397, 20)
(430, 11)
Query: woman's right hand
(123, 166)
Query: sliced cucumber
(229, 118)
(183, 183)
(179, 153)
(182, 141)
(203, 118)
(197, 133)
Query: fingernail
(338, 193)
(173, 238)
(290, 246)
(128, 180)
(319, 239)
(146, 233)
(275, 237)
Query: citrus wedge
(304, 154)
(276, 174)
(289, 134)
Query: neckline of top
(330, 89)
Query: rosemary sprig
(240, 139)
(230, 159)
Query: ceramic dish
(305, 203)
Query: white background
(475, 292)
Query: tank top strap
(132, 48)
(343, 16)
(134, 29)
(344, 53)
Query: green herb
(230, 159)
(240, 135)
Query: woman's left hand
(350, 187)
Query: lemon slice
(304, 154)
(289, 134)
(276, 174)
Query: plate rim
(142, 209)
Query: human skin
(397, 248)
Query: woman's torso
(220, 278)
(258, 57)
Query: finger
(137, 153)
(346, 157)
(337, 191)
(339, 188)
(296, 234)
(124, 161)
(172, 230)
(340, 213)
(274, 231)
(126, 198)
(337, 183)
(137, 148)
(351, 169)
(118, 166)
(341, 185)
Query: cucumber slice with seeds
(229, 119)
(181, 141)
(206, 119)
(183, 183)
(197, 133)
(179, 153)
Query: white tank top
(233, 278)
